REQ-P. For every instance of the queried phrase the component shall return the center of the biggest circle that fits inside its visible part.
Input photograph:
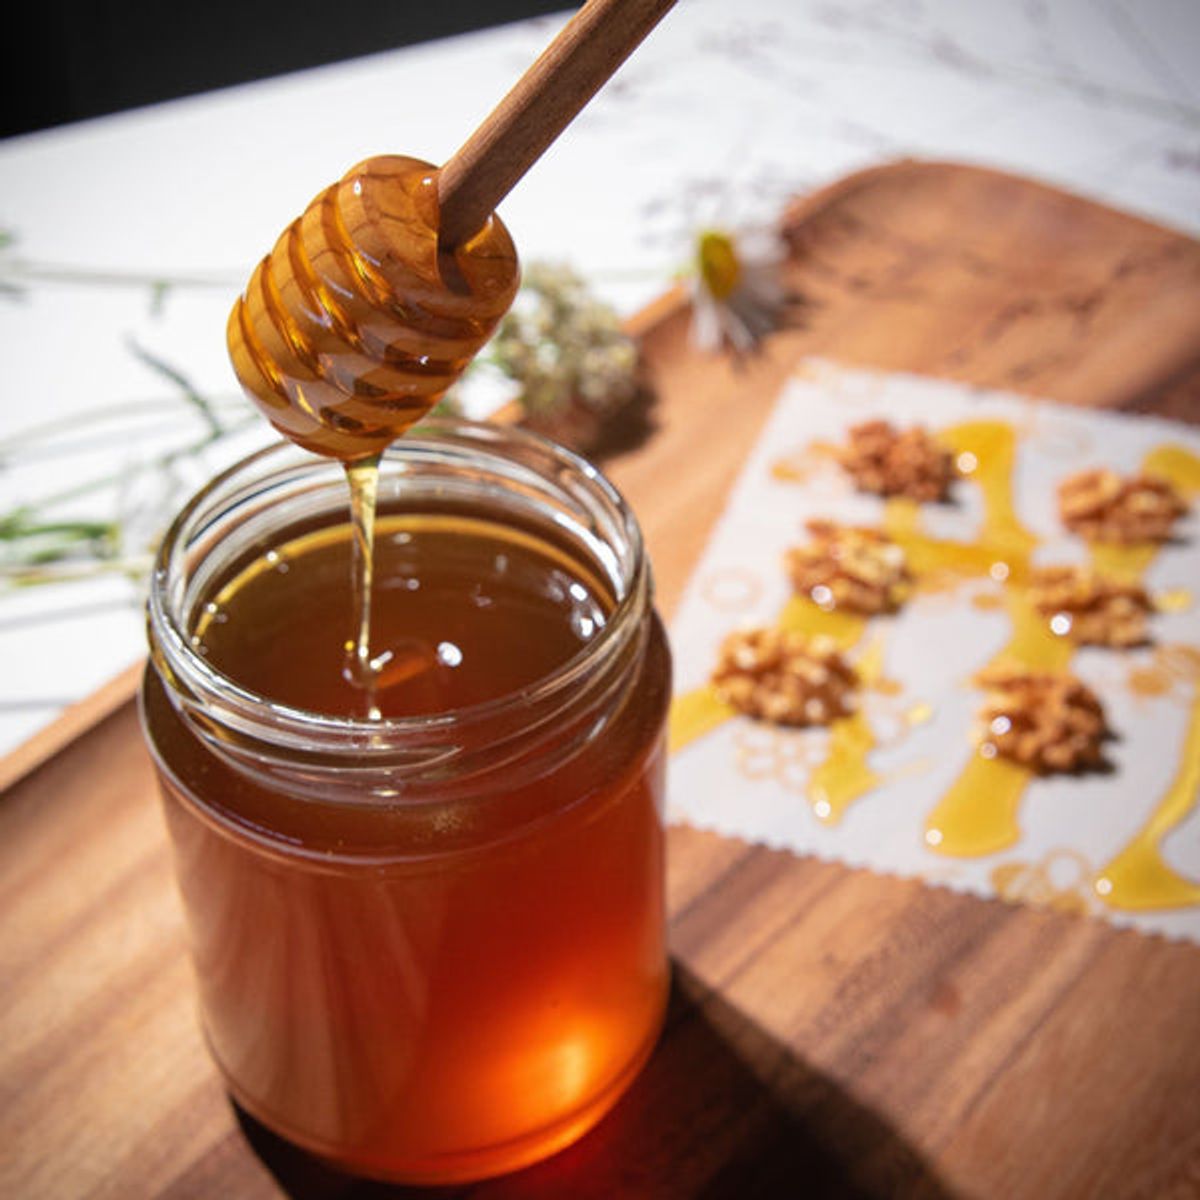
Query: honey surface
(465, 610)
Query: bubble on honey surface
(555, 587)
(585, 615)
(404, 661)
(449, 655)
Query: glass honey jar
(427, 918)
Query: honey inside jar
(465, 610)
(430, 944)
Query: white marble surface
(727, 110)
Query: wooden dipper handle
(542, 103)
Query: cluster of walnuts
(1054, 722)
(783, 677)
(789, 679)
(897, 462)
(1045, 722)
(1102, 506)
(1089, 608)
(850, 568)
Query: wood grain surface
(832, 1032)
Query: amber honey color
(465, 610)
(358, 320)
(459, 978)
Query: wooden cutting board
(832, 1032)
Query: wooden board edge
(812, 203)
(73, 722)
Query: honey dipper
(377, 297)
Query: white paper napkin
(1124, 845)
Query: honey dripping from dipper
(355, 325)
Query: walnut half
(849, 568)
(1048, 723)
(892, 462)
(1103, 506)
(1090, 609)
(784, 677)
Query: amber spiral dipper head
(357, 322)
(374, 301)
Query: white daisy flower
(738, 292)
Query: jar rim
(190, 673)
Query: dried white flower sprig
(562, 345)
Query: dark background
(65, 60)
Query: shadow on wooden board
(721, 1111)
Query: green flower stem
(190, 393)
(14, 527)
(37, 272)
(101, 416)
(39, 575)
(161, 462)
